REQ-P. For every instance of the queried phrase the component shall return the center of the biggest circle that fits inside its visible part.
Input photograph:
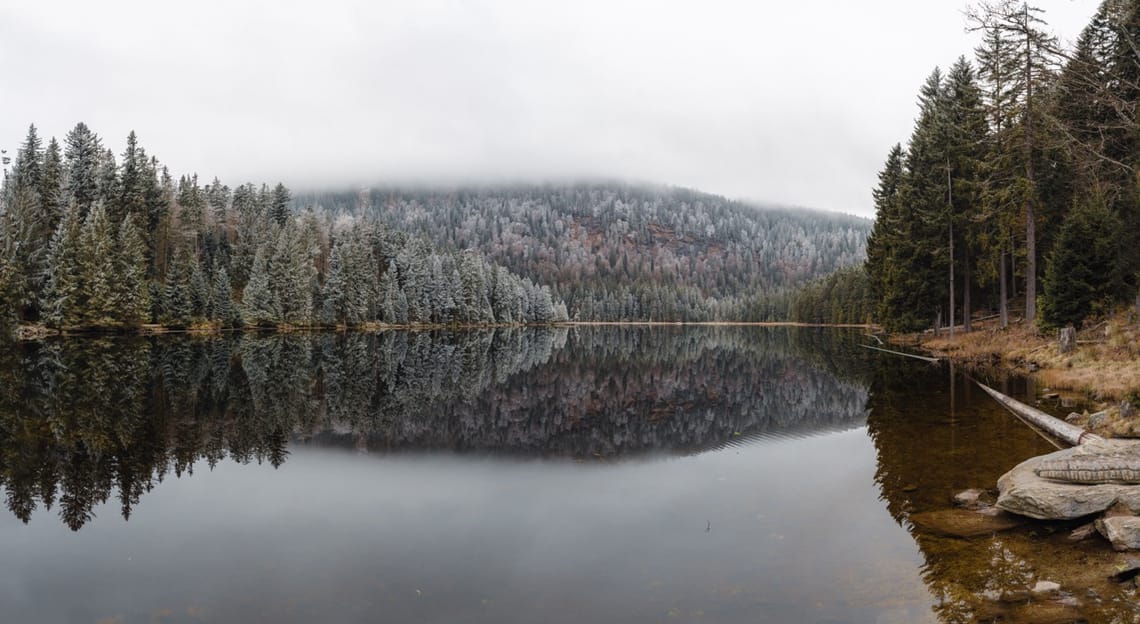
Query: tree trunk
(966, 294)
(950, 212)
(951, 278)
(1030, 214)
(1003, 296)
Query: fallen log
(910, 355)
(1066, 432)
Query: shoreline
(29, 333)
(1103, 369)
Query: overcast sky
(785, 102)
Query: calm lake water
(541, 475)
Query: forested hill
(622, 252)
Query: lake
(589, 474)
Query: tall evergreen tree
(99, 278)
(135, 179)
(1083, 275)
(259, 301)
(64, 295)
(279, 207)
(883, 242)
(132, 290)
(222, 308)
(1032, 57)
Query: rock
(1117, 510)
(973, 498)
(1122, 531)
(963, 522)
(1126, 570)
(1046, 587)
(1024, 493)
(1083, 532)
(1074, 417)
(1097, 419)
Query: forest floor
(1103, 369)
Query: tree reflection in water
(82, 421)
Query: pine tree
(921, 258)
(259, 302)
(63, 298)
(966, 149)
(98, 278)
(176, 297)
(1083, 275)
(9, 276)
(134, 179)
(82, 153)
(333, 294)
(884, 237)
(222, 308)
(132, 292)
(199, 292)
(51, 192)
(279, 207)
(1028, 59)
(109, 185)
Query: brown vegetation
(1104, 367)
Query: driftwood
(1066, 432)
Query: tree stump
(1067, 340)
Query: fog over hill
(617, 251)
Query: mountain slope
(621, 252)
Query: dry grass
(1105, 365)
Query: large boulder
(1024, 493)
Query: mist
(793, 104)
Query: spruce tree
(132, 292)
(98, 276)
(259, 302)
(82, 153)
(1083, 274)
(1029, 59)
(884, 237)
(279, 206)
(222, 308)
(199, 291)
(63, 298)
(176, 297)
(135, 179)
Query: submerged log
(1066, 432)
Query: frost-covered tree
(132, 295)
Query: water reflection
(936, 433)
(84, 422)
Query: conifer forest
(95, 241)
(1019, 182)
